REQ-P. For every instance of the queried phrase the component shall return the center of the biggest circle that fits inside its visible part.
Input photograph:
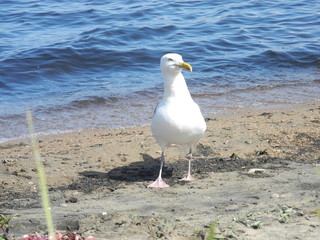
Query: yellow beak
(186, 66)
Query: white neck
(175, 86)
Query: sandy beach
(257, 177)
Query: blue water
(91, 64)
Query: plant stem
(41, 176)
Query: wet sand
(98, 180)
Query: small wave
(58, 61)
(285, 59)
(226, 89)
(85, 103)
(92, 101)
(317, 81)
(3, 85)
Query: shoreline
(220, 113)
(100, 113)
(98, 179)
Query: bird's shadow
(145, 170)
(148, 170)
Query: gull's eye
(170, 59)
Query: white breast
(178, 122)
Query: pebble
(72, 200)
(275, 195)
(256, 170)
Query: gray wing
(155, 109)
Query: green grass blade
(41, 176)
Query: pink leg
(189, 177)
(159, 183)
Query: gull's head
(173, 63)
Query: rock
(234, 156)
(72, 200)
(261, 152)
(256, 171)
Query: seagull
(177, 118)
